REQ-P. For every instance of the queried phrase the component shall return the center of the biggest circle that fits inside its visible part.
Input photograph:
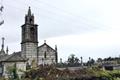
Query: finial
(56, 47)
(60, 60)
(7, 50)
(29, 11)
(44, 41)
(3, 43)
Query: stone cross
(3, 42)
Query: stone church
(30, 52)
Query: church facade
(30, 51)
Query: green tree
(73, 61)
(91, 61)
(99, 60)
(12, 71)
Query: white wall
(21, 66)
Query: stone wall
(29, 50)
(46, 55)
(20, 66)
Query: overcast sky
(88, 28)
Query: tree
(99, 60)
(76, 60)
(12, 71)
(73, 61)
(91, 61)
(34, 63)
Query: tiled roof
(46, 47)
(4, 57)
(15, 57)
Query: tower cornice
(29, 24)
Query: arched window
(45, 54)
(32, 31)
(31, 20)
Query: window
(32, 31)
(45, 54)
(31, 20)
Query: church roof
(15, 57)
(3, 57)
(47, 46)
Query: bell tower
(29, 42)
